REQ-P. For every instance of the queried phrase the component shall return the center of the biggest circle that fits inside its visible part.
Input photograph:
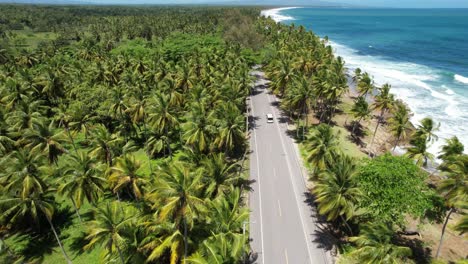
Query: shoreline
(274, 13)
(400, 149)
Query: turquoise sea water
(422, 53)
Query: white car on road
(269, 118)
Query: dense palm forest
(123, 133)
(123, 138)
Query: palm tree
(227, 224)
(282, 75)
(418, 151)
(198, 128)
(300, 98)
(160, 238)
(426, 130)
(163, 116)
(22, 173)
(230, 123)
(111, 227)
(454, 188)
(125, 176)
(322, 146)
(64, 120)
(374, 245)
(400, 122)
(45, 139)
(357, 75)
(337, 192)
(453, 147)
(6, 142)
(177, 196)
(81, 180)
(383, 102)
(365, 85)
(20, 208)
(218, 174)
(103, 144)
(462, 224)
(360, 110)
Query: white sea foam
(461, 79)
(275, 14)
(418, 86)
(448, 90)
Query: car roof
(269, 115)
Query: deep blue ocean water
(422, 53)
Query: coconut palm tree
(462, 224)
(400, 122)
(282, 74)
(360, 110)
(103, 144)
(357, 75)
(111, 227)
(163, 116)
(374, 245)
(45, 139)
(337, 192)
(365, 85)
(22, 173)
(227, 224)
(300, 98)
(426, 130)
(33, 206)
(230, 123)
(454, 188)
(162, 237)
(82, 179)
(125, 176)
(322, 146)
(198, 129)
(384, 102)
(218, 174)
(418, 151)
(177, 195)
(453, 147)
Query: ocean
(422, 53)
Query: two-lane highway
(282, 227)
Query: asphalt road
(282, 224)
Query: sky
(407, 3)
(376, 3)
(370, 3)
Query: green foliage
(393, 187)
(177, 45)
(106, 117)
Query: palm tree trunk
(71, 138)
(120, 254)
(146, 145)
(185, 239)
(58, 241)
(396, 143)
(347, 225)
(373, 137)
(443, 231)
(76, 210)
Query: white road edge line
(259, 185)
(286, 256)
(279, 208)
(292, 183)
